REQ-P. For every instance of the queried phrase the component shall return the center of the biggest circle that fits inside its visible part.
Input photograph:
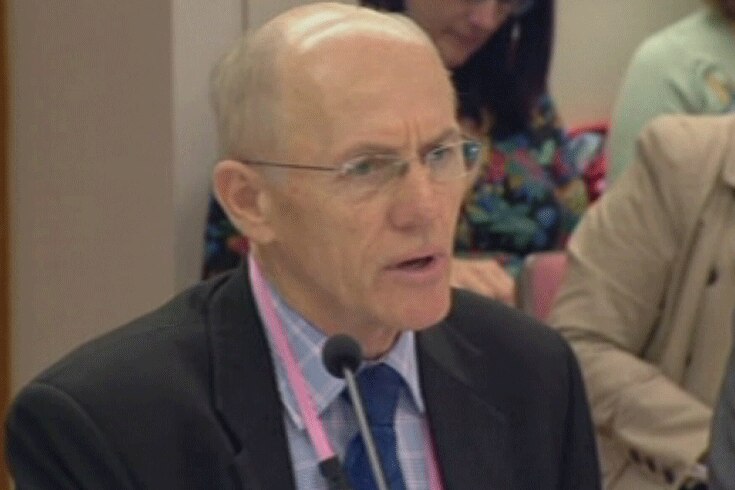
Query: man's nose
(487, 16)
(417, 200)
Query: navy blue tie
(380, 386)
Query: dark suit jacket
(185, 397)
(721, 459)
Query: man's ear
(243, 194)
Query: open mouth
(420, 269)
(417, 263)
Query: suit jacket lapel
(244, 387)
(470, 436)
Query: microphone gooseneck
(342, 356)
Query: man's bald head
(344, 118)
(252, 81)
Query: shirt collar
(306, 344)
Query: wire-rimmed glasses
(368, 174)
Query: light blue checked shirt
(336, 414)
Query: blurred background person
(688, 67)
(647, 300)
(529, 192)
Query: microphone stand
(341, 356)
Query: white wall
(91, 180)
(260, 11)
(594, 42)
(111, 145)
(202, 31)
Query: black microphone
(342, 356)
(341, 352)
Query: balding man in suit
(344, 165)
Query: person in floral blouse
(536, 180)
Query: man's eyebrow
(443, 137)
(372, 148)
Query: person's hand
(484, 276)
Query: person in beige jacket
(647, 299)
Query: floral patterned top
(529, 194)
(531, 191)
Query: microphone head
(340, 352)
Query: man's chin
(423, 312)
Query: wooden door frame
(4, 237)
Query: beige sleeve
(609, 306)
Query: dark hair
(503, 78)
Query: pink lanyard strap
(435, 483)
(295, 377)
(314, 427)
